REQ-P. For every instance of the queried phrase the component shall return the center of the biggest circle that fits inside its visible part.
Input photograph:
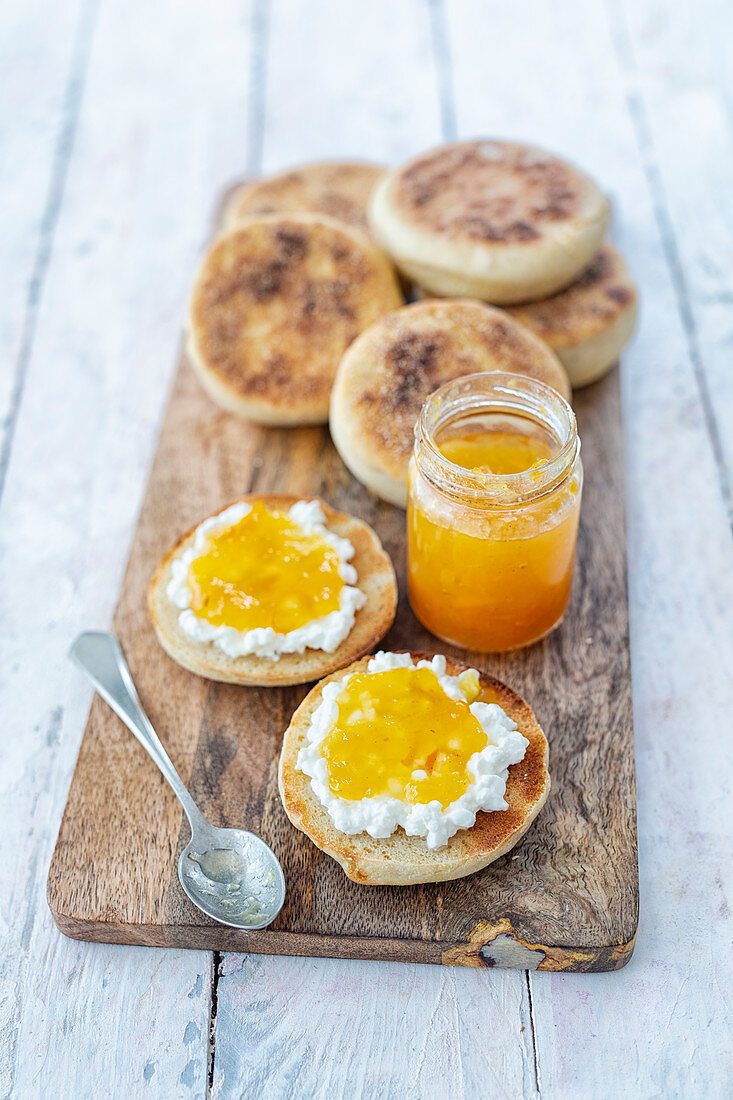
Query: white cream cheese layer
(381, 815)
(325, 633)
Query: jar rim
(496, 391)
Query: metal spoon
(230, 874)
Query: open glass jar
(494, 499)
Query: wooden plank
(152, 144)
(103, 1021)
(43, 55)
(348, 81)
(329, 1027)
(676, 65)
(680, 586)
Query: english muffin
(495, 220)
(588, 324)
(372, 617)
(389, 371)
(340, 189)
(275, 304)
(399, 859)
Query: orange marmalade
(494, 502)
(399, 734)
(265, 571)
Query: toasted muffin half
(376, 579)
(386, 375)
(338, 188)
(589, 323)
(496, 220)
(402, 860)
(276, 302)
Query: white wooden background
(119, 122)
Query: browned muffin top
(397, 364)
(591, 303)
(498, 192)
(278, 300)
(339, 189)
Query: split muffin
(409, 768)
(273, 590)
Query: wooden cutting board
(565, 899)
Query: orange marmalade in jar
(494, 500)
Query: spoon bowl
(229, 874)
(233, 876)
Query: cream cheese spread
(325, 633)
(380, 815)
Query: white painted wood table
(119, 122)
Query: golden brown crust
(493, 220)
(276, 302)
(376, 579)
(389, 371)
(588, 306)
(403, 860)
(338, 189)
(500, 192)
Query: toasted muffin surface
(499, 192)
(495, 220)
(376, 579)
(276, 302)
(589, 323)
(400, 859)
(339, 189)
(589, 305)
(387, 374)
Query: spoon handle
(100, 656)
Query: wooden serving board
(565, 899)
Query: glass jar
(490, 554)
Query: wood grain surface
(565, 899)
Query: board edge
(490, 946)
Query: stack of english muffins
(297, 315)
